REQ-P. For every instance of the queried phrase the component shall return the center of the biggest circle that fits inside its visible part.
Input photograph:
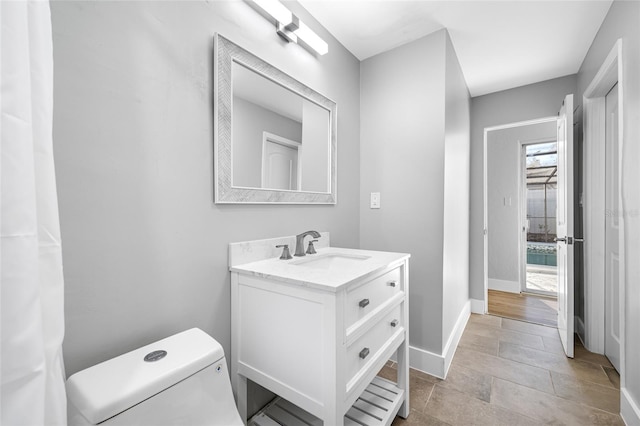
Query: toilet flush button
(155, 356)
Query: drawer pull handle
(392, 283)
(363, 303)
(364, 353)
(394, 323)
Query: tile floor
(507, 372)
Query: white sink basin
(330, 260)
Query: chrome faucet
(300, 241)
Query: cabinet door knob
(392, 283)
(394, 323)
(364, 353)
(363, 303)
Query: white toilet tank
(180, 380)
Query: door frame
(485, 195)
(594, 116)
(523, 212)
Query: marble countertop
(330, 269)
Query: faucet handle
(311, 249)
(286, 255)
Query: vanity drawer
(362, 352)
(365, 298)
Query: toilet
(180, 380)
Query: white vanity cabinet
(317, 336)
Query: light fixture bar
(290, 28)
(311, 39)
(276, 10)
(284, 32)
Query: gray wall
(414, 149)
(455, 247)
(144, 246)
(503, 181)
(520, 104)
(402, 152)
(622, 22)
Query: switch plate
(375, 200)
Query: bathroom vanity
(315, 330)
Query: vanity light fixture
(290, 27)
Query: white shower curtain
(32, 294)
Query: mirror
(275, 138)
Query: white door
(279, 166)
(564, 225)
(612, 232)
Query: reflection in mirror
(275, 138)
(280, 139)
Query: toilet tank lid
(111, 387)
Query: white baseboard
(477, 306)
(629, 410)
(428, 362)
(435, 364)
(504, 285)
(454, 337)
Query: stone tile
(389, 373)
(527, 327)
(419, 392)
(487, 345)
(488, 320)
(580, 353)
(471, 382)
(613, 375)
(559, 363)
(424, 376)
(553, 344)
(547, 408)
(420, 385)
(602, 397)
(517, 372)
(418, 418)
(457, 408)
(503, 335)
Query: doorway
(521, 162)
(539, 189)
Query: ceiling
(500, 44)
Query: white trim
(425, 361)
(435, 364)
(477, 306)
(609, 74)
(504, 285)
(485, 194)
(454, 337)
(629, 409)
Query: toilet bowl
(180, 380)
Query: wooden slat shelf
(377, 406)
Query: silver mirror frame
(225, 53)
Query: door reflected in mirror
(280, 139)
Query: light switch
(375, 200)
